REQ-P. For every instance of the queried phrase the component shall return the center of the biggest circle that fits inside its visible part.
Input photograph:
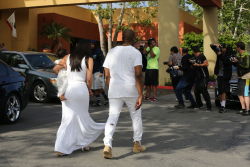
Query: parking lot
(174, 138)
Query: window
(12, 59)
(39, 61)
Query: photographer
(223, 71)
(201, 79)
(152, 70)
(187, 80)
(174, 61)
(243, 67)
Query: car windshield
(39, 61)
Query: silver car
(37, 69)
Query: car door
(4, 81)
(16, 60)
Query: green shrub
(191, 40)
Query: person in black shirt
(144, 58)
(187, 80)
(98, 77)
(201, 79)
(223, 71)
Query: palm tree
(56, 32)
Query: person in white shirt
(123, 72)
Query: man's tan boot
(138, 147)
(107, 152)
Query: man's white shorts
(98, 81)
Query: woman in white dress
(77, 129)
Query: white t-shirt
(121, 61)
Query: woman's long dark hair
(82, 50)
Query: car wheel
(12, 109)
(40, 93)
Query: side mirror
(23, 66)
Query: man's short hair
(241, 45)
(223, 45)
(128, 35)
(150, 40)
(174, 49)
(185, 50)
(196, 49)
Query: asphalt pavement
(174, 138)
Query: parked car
(13, 94)
(52, 56)
(37, 68)
(232, 100)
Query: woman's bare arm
(89, 78)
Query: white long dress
(77, 128)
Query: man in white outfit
(123, 72)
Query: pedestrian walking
(77, 130)
(201, 79)
(175, 61)
(186, 82)
(123, 72)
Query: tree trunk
(221, 19)
(101, 31)
(119, 24)
(235, 3)
(110, 30)
(238, 22)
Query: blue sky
(117, 5)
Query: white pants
(115, 107)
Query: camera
(192, 60)
(165, 62)
(233, 58)
(216, 48)
(172, 71)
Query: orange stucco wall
(146, 32)
(78, 28)
(74, 12)
(81, 22)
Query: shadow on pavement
(166, 131)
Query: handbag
(174, 73)
(62, 82)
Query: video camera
(165, 63)
(218, 48)
(192, 60)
